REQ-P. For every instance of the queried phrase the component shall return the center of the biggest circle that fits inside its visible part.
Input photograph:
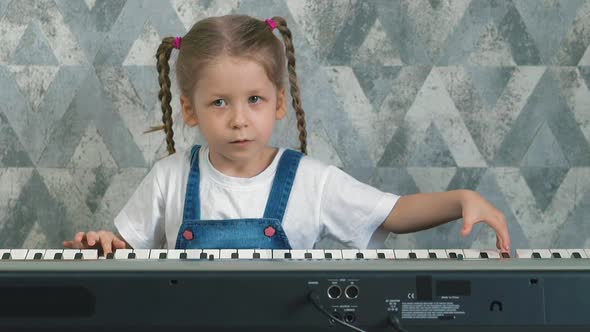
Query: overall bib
(249, 233)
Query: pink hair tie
(271, 23)
(176, 43)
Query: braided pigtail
(163, 56)
(295, 92)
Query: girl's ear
(189, 113)
(281, 104)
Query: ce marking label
(411, 296)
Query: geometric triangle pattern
(407, 96)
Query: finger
(68, 244)
(119, 244)
(79, 237)
(106, 246)
(502, 235)
(467, 227)
(92, 238)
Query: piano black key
(576, 255)
(412, 255)
(163, 255)
(287, 255)
(78, 255)
(38, 256)
(359, 255)
(483, 255)
(460, 257)
(203, 255)
(110, 255)
(556, 255)
(505, 255)
(131, 255)
(453, 255)
(6, 256)
(307, 255)
(328, 255)
(234, 255)
(380, 255)
(183, 255)
(432, 255)
(211, 257)
(536, 255)
(256, 255)
(58, 255)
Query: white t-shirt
(324, 201)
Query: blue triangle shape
(433, 151)
(145, 86)
(35, 204)
(12, 153)
(376, 81)
(544, 182)
(490, 82)
(33, 48)
(544, 150)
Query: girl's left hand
(477, 209)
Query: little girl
(239, 192)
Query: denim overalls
(251, 233)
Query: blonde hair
(232, 35)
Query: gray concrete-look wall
(408, 96)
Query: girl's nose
(239, 119)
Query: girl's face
(235, 106)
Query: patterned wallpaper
(409, 96)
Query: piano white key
(530, 253)
(492, 253)
(587, 252)
(142, 253)
(35, 253)
(579, 251)
(89, 254)
(69, 254)
(19, 254)
(336, 254)
(524, 253)
(369, 253)
(349, 253)
(421, 253)
(227, 253)
(402, 253)
(50, 254)
(562, 253)
(280, 253)
(298, 253)
(316, 253)
(264, 253)
(389, 253)
(155, 253)
(246, 254)
(440, 253)
(458, 252)
(174, 253)
(477, 253)
(193, 253)
(122, 253)
(212, 253)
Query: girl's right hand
(104, 241)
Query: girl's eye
(255, 99)
(219, 103)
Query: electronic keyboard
(295, 290)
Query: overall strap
(192, 200)
(282, 184)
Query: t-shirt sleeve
(351, 211)
(141, 221)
